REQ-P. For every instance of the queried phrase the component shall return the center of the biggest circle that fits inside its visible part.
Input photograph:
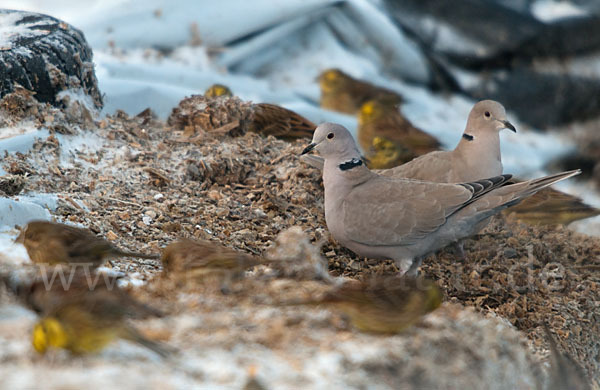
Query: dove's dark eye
(487, 114)
(330, 136)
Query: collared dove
(405, 219)
(477, 156)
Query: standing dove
(404, 219)
(477, 156)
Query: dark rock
(46, 56)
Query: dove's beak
(308, 148)
(509, 126)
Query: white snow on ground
(550, 10)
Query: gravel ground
(143, 184)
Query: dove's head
(333, 141)
(487, 116)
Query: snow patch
(550, 10)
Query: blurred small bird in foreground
(81, 316)
(262, 118)
(56, 243)
(191, 260)
(564, 372)
(387, 138)
(381, 304)
(342, 93)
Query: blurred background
(537, 57)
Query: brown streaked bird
(191, 260)
(56, 243)
(383, 129)
(564, 372)
(270, 119)
(552, 207)
(381, 304)
(81, 317)
(343, 93)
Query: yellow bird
(388, 138)
(382, 304)
(217, 90)
(552, 207)
(83, 314)
(343, 93)
(83, 329)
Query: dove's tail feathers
(530, 187)
(501, 195)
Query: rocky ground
(143, 184)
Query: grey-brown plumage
(403, 219)
(477, 156)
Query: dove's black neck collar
(355, 162)
(468, 137)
